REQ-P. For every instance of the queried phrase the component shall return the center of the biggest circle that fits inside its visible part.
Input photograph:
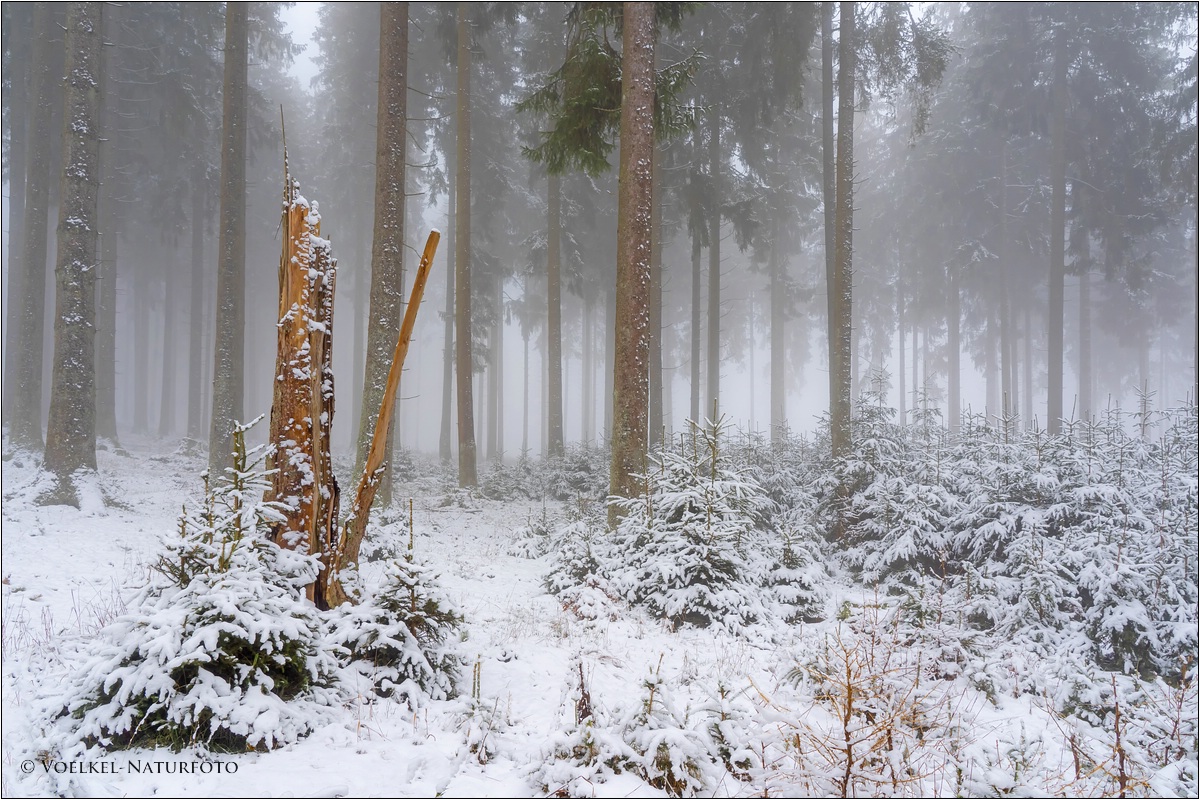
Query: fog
(953, 179)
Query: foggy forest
(600, 399)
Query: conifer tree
(229, 350)
(71, 434)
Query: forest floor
(67, 572)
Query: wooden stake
(354, 528)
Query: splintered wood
(302, 405)
(355, 525)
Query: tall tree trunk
(991, 373)
(1007, 372)
(361, 318)
(25, 328)
(1058, 202)
(554, 415)
(829, 191)
(1027, 363)
(954, 348)
(694, 407)
(610, 345)
(143, 304)
(166, 406)
(195, 318)
(856, 348)
(71, 429)
(1195, 307)
(387, 238)
(1085, 338)
(714, 267)
(446, 436)
(106, 278)
(462, 259)
(106, 321)
(916, 384)
(229, 350)
(588, 372)
(778, 353)
(496, 378)
(18, 168)
(525, 387)
(841, 333)
(656, 299)
(635, 197)
(900, 337)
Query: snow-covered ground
(713, 694)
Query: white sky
(301, 20)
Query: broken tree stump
(303, 485)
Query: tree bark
(229, 350)
(656, 312)
(554, 313)
(302, 405)
(635, 197)
(841, 332)
(1058, 202)
(25, 331)
(387, 238)
(714, 268)
(467, 475)
(71, 432)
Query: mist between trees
(749, 214)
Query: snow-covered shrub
(672, 754)
(578, 574)
(682, 548)
(581, 472)
(221, 651)
(585, 754)
(795, 574)
(506, 482)
(784, 467)
(534, 538)
(580, 757)
(404, 639)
